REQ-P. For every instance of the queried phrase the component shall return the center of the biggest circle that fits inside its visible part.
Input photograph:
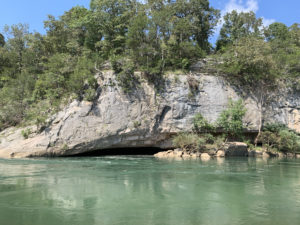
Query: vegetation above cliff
(38, 72)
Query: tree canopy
(2, 40)
(38, 72)
(236, 26)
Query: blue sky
(34, 12)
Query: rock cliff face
(144, 118)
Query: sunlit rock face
(145, 117)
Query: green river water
(138, 190)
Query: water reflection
(143, 190)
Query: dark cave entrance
(121, 151)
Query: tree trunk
(260, 103)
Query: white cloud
(267, 22)
(242, 6)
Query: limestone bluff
(144, 118)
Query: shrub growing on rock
(231, 119)
(126, 78)
(25, 133)
(279, 137)
(201, 125)
(188, 141)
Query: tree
(205, 19)
(285, 44)
(73, 31)
(295, 34)
(201, 125)
(277, 31)
(294, 59)
(170, 34)
(52, 83)
(2, 40)
(17, 42)
(113, 18)
(250, 62)
(236, 26)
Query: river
(142, 190)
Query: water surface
(143, 190)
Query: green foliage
(231, 119)
(82, 81)
(236, 26)
(285, 45)
(209, 138)
(26, 133)
(289, 141)
(31, 76)
(125, 76)
(219, 141)
(274, 127)
(90, 94)
(256, 61)
(277, 31)
(39, 112)
(146, 36)
(194, 142)
(112, 17)
(201, 125)
(188, 141)
(65, 147)
(230, 122)
(2, 40)
(169, 34)
(136, 124)
(41, 71)
(279, 137)
(250, 61)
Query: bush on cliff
(231, 119)
(204, 133)
(278, 137)
(201, 125)
(188, 141)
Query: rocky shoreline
(231, 149)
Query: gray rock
(195, 155)
(161, 155)
(220, 153)
(256, 154)
(266, 155)
(143, 118)
(290, 155)
(236, 149)
(269, 155)
(281, 155)
(205, 156)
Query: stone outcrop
(143, 118)
(220, 153)
(236, 149)
(253, 153)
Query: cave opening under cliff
(121, 151)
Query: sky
(34, 12)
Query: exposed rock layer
(144, 118)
